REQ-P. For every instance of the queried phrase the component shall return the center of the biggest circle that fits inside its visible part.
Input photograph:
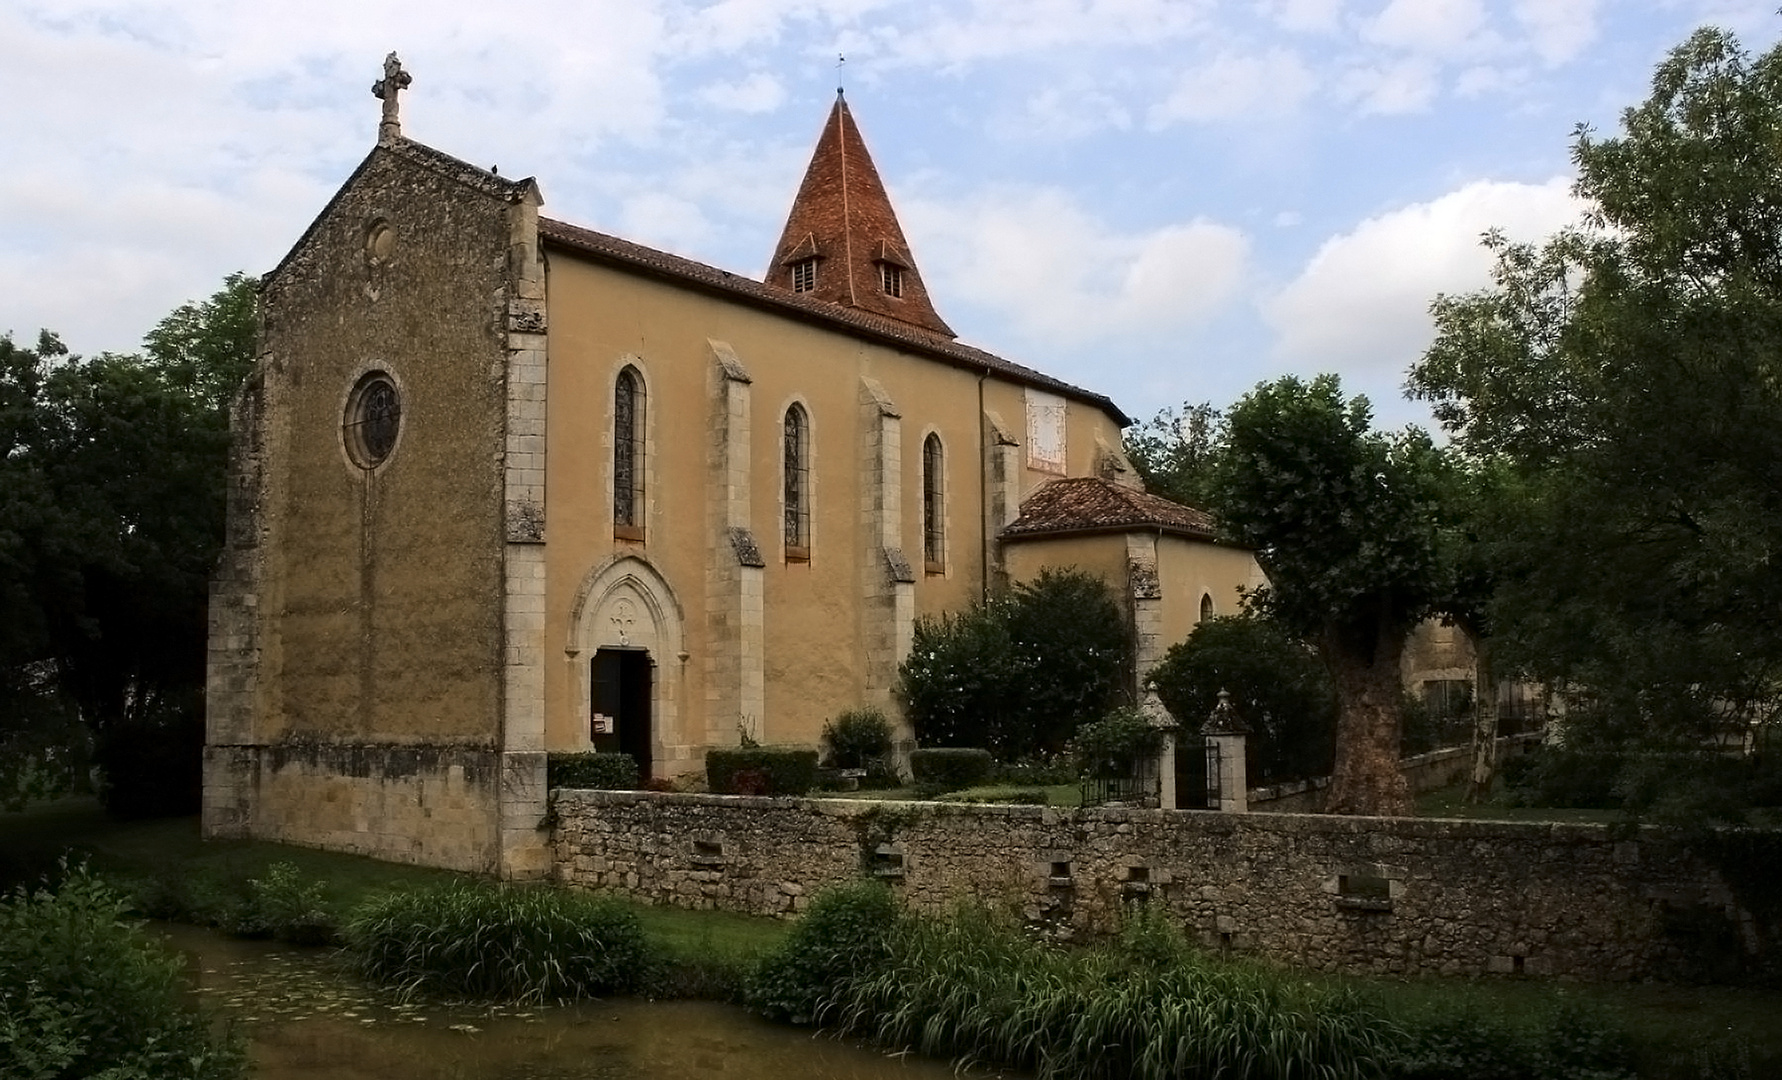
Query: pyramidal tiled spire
(842, 242)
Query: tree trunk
(1363, 663)
(1484, 720)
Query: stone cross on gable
(395, 80)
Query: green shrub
(1277, 685)
(83, 993)
(857, 738)
(947, 768)
(1558, 776)
(1035, 772)
(1017, 674)
(500, 942)
(761, 770)
(843, 936)
(1113, 747)
(597, 771)
(282, 905)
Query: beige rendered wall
(1189, 569)
(604, 318)
(1100, 554)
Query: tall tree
(1628, 374)
(111, 515)
(1173, 452)
(1344, 521)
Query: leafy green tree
(111, 517)
(1276, 683)
(1345, 521)
(1017, 675)
(1627, 375)
(1173, 452)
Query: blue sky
(1163, 200)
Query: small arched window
(628, 455)
(1206, 606)
(798, 484)
(934, 506)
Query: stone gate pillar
(1226, 732)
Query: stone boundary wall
(1381, 895)
(1424, 772)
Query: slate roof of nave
(1092, 504)
(857, 321)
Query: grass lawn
(1450, 802)
(1675, 1026)
(1056, 794)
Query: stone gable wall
(1388, 896)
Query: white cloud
(995, 29)
(1069, 110)
(1234, 86)
(1558, 29)
(1305, 16)
(1404, 87)
(755, 93)
(1437, 27)
(1058, 274)
(1362, 301)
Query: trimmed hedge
(596, 771)
(761, 770)
(950, 768)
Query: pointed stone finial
(395, 80)
(1224, 720)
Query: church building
(502, 485)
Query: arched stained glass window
(797, 495)
(1206, 606)
(628, 454)
(934, 506)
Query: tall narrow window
(628, 455)
(1206, 606)
(934, 507)
(804, 275)
(891, 277)
(798, 481)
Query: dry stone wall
(1397, 896)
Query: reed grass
(486, 941)
(971, 986)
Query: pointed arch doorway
(627, 656)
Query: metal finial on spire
(839, 61)
(395, 80)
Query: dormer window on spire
(891, 277)
(804, 275)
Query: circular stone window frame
(357, 454)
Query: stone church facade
(502, 485)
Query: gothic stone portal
(627, 642)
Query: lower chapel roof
(1091, 504)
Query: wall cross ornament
(624, 617)
(395, 81)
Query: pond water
(303, 1014)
